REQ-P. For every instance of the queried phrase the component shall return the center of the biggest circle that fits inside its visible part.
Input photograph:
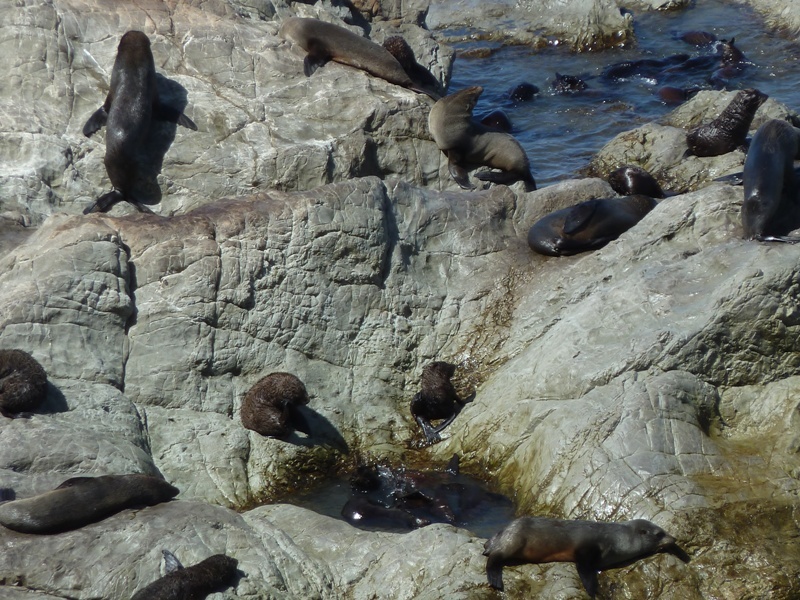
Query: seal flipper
(316, 58)
(458, 173)
(494, 571)
(431, 435)
(104, 202)
(777, 238)
(579, 216)
(171, 562)
(95, 122)
(588, 575)
(507, 178)
(453, 466)
(164, 112)
(298, 421)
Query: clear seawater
(561, 132)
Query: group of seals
(23, 382)
(131, 104)
(468, 144)
(437, 400)
(82, 500)
(729, 130)
(188, 583)
(270, 407)
(592, 546)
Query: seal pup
(729, 130)
(190, 583)
(23, 382)
(437, 400)
(270, 406)
(83, 500)
(587, 226)
(630, 180)
(592, 546)
(468, 144)
(131, 104)
(770, 183)
(325, 41)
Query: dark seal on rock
(437, 400)
(587, 226)
(23, 382)
(468, 144)
(630, 180)
(770, 183)
(324, 42)
(729, 130)
(270, 406)
(592, 546)
(83, 500)
(132, 102)
(190, 583)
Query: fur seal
(270, 406)
(422, 77)
(729, 130)
(23, 382)
(326, 41)
(698, 38)
(132, 102)
(630, 180)
(567, 84)
(83, 500)
(588, 225)
(468, 144)
(437, 400)
(498, 120)
(190, 583)
(770, 183)
(591, 545)
(524, 92)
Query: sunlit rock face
(654, 378)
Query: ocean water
(561, 132)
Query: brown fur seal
(437, 400)
(770, 184)
(591, 545)
(587, 226)
(132, 102)
(83, 500)
(631, 180)
(270, 406)
(729, 130)
(325, 41)
(468, 144)
(23, 382)
(422, 77)
(190, 583)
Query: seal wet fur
(190, 583)
(729, 130)
(468, 144)
(82, 500)
(770, 206)
(587, 226)
(131, 104)
(630, 180)
(270, 406)
(438, 399)
(23, 382)
(592, 546)
(325, 41)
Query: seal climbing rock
(468, 144)
(592, 546)
(437, 400)
(729, 130)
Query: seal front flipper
(95, 122)
(458, 173)
(588, 574)
(104, 202)
(163, 112)
(171, 562)
(315, 59)
(777, 238)
(494, 570)
(507, 178)
(431, 435)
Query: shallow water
(561, 132)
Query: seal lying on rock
(326, 41)
(437, 400)
(587, 226)
(770, 183)
(190, 583)
(729, 130)
(83, 500)
(132, 102)
(592, 546)
(270, 406)
(468, 144)
(23, 382)
(630, 180)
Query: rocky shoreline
(311, 226)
